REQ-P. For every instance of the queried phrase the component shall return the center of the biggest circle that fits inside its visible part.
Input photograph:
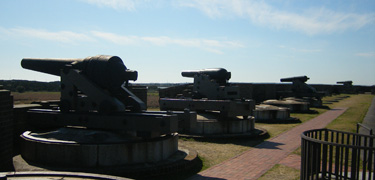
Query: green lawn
(357, 109)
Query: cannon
(98, 121)
(95, 94)
(217, 103)
(220, 75)
(299, 85)
(302, 90)
(293, 79)
(346, 83)
(347, 87)
(212, 84)
(94, 83)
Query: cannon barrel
(47, 65)
(107, 71)
(297, 78)
(214, 73)
(345, 82)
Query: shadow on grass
(182, 174)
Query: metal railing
(331, 154)
(365, 127)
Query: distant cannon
(294, 79)
(347, 87)
(345, 83)
(219, 74)
(217, 103)
(212, 84)
(299, 85)
(302, 90)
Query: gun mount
(98, 121)
(216, 102)
(346, 83)
(299, 85)
(302, 90)
(212, 84)
(220, 75)
(347, 87)
(94, 94)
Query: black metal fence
(331, 154)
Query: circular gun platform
(93, 148)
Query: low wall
(6, 130)
(264, 91)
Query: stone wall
(6, 130)
(140, 92)
(264, 91)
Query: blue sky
(258, 41)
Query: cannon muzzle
(107, 71)
(345, 82)
(47, 65)
(297, 78)
(215, 73)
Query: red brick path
(254, 163)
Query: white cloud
(300, 49)
(310, 21)
(117, 39)
(205, 44)
(210, 45)
(60, 36)
(368, 54)
(115, 4)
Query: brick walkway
(254, 163)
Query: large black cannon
(94, 94)
(94, 83)
(98, 121)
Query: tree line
(24, 85)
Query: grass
(153, 101)
(28, 97)
(357, 109)
(281, 172)
(214, 151)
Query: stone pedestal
(92, 148)
(265, 112)
(292, 104)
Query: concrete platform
(52, 175)
(183, 160)
(293, 105)
(93, 148)
(265, 113)
(211, 124)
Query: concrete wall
(264, 91)
(140, 92)
(6, 131)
